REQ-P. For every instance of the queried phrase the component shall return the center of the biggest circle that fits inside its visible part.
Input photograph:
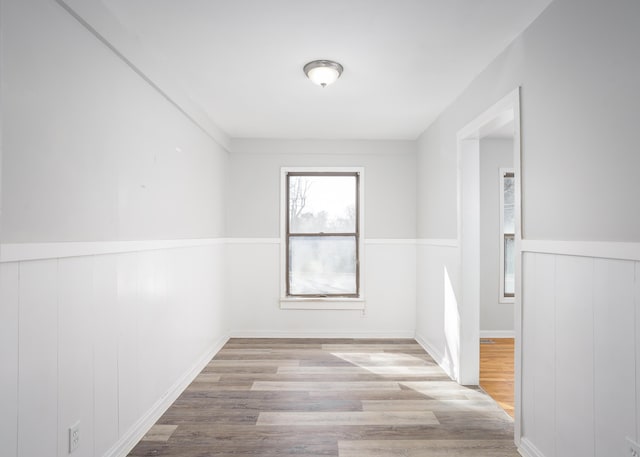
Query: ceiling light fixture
(323, 72)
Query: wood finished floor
(342, 398)
(497, 371)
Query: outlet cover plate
(74, 437)
(634, 448)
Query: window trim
(331, 301)
(502, 297)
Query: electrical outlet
(634, 448)
(74, 437)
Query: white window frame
(501, 297)
(335, 303)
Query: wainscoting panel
(614, 355)
(580, 353)
(75, 352)
(542, 353)
(9, 311)
(38, 359)
(105, 352)
(105, 340)
(574, 356)
(637, 346)
(529, 291)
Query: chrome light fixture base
(323, 72)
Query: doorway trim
(468, 211)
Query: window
(322, 235)
(507, 236)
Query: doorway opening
(501, 119)
(497, 371)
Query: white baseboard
(252, 240)
(440, 242)
(527, 449)
(436, 355)
(319, 334)
(128, 441)
(497, 334)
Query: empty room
(341, 228)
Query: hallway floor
(342, 398)
(497, 371)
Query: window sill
(322, 303)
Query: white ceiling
(405, 60)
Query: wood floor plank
(207, 377)
(325, 385)
(444, 390)
(384, 358)
(427, 448)
(160, 432)
(253, 363)
(396, 370)
(362, 377)
(371, 347)
(328, 398)
(428, 405)
(390, 418)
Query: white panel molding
(527, 449)
(127, 442)
(19, 252)
(389, 241)
(126, 46)
(596, 249)
(319, 334)
(38, 251)
(443, 242)
(374, 241)
(252, 240)
(497, 334)
(436, 355)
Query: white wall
(495, 318)
(91, 150)
(389, 231)
(92, 153)
(576, 65)
(254, 182)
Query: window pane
(322, 204)
(509, 217)
(509, 266)
(322, 265)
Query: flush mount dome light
(323, 72)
